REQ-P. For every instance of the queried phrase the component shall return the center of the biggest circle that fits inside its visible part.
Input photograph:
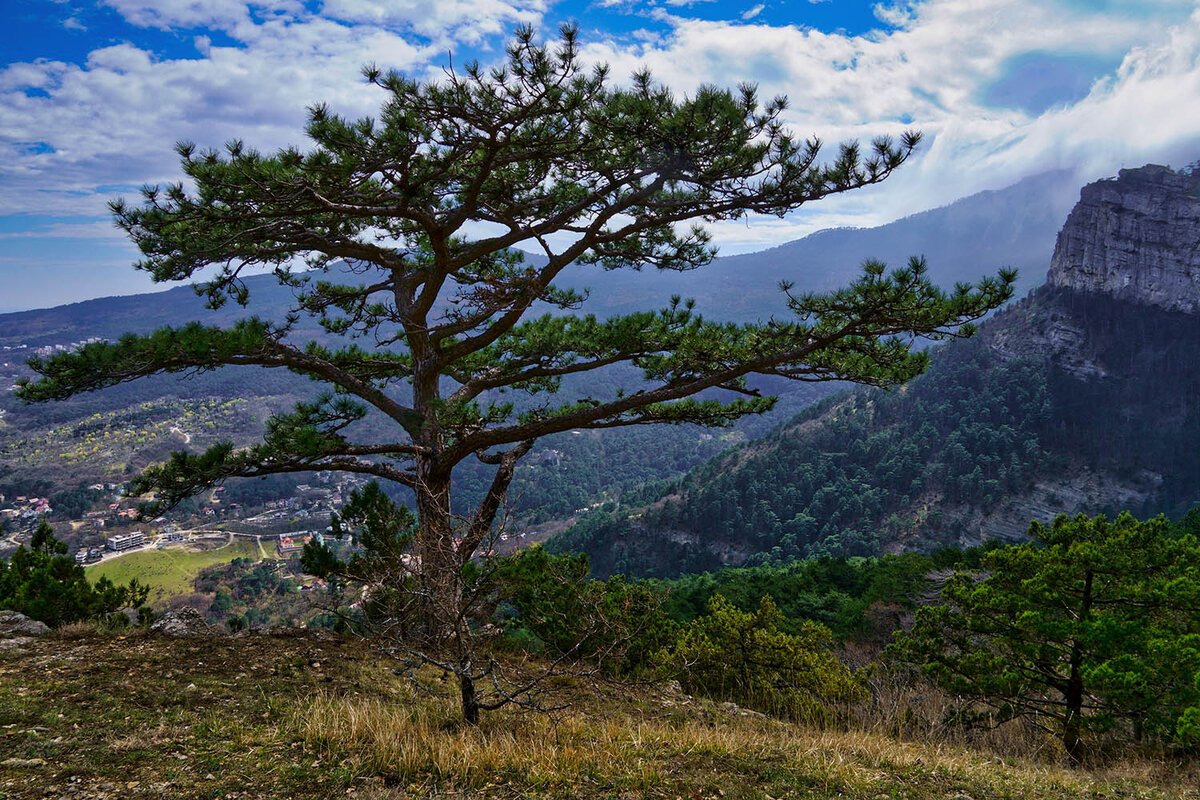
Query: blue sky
(94, 94)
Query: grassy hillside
(170, 571)
(302, 716)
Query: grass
(307, 716)
(625, 745)
(172, 569)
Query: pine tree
(411, 221)
(44, 583)
(1091, 626)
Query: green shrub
(550, 604)
(42, 582)
(744, 657)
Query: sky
(94, 95)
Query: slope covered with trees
(986, 440)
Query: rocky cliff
(1135, 237)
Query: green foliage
(857, 598)
(862, 464)
(745, 657)
(382, 567)
(551, 603)
(45, 584)
(1093, 626)
(381, 536)
(72, 503)
(222, 602)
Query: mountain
(106, 435)
(1135, 238)
(1081, 397)
(962, 242)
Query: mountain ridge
(756, 275)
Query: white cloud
(469, 21)
(229, 15)
(114, 120)
(70, 132)
(933, 71)
(753, 12)
(167, 14)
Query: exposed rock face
(1136, 238)
(15, 625)
(185, 622)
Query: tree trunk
(440, 572)
(1072, 725)
(470, 702)
(1073, 696)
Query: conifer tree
(434, 320)
(1093, 625)
(44, 583)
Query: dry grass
(77, 630)
(615, 745)
(904, 706)
(149, 738)
(315, 716)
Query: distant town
(12, 370)
(281, 526)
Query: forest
(869, 469)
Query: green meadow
(170, 571)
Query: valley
(946, 461)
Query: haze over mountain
(962, 242)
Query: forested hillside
(1080, 397)
(972, 450)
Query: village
(276, 529)
(280, 527)
(13, 358)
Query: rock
(1135, 237)
(14, 624)
(184, 622)
(28, 763)
(738, 711)
(13, 644)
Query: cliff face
(1136, 238)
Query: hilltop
(301, 715)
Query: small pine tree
(1094, 625)
(730, 654)
(43, 583)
